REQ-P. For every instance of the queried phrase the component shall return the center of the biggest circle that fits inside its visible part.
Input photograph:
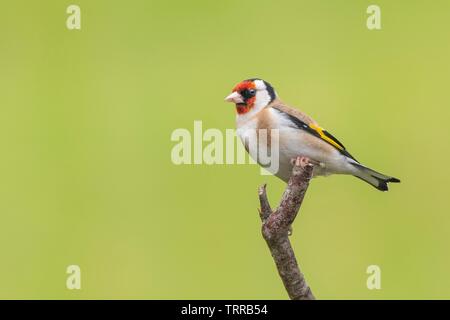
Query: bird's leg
(304, 161)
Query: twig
(276, 227)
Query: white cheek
(262, 100)
(259, 85)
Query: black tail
(374, 178)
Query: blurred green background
(86, 174)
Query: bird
(259, 107)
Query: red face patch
(241, 87)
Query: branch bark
(276, 227)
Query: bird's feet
(304, 162)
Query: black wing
(318, 132)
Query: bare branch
(276, 226)
(265, 210)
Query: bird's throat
(242, 108)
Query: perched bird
(258, 107)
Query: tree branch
(276, 227)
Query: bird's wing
(301, 121)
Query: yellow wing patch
(325, 137)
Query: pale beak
(235, 98)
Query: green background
(85, 168)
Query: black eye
(248, 93)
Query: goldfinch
(258, 107)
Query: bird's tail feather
(374, 178)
